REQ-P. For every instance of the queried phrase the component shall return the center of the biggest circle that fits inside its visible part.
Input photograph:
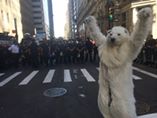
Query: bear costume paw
(90, 23)
(90, 20)
(145, 13)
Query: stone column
(134, 16)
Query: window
(36, 17)
(35, 0)
(36, 6)
(8, 17)
(37, 23)
(6, 2)
(124, 16)
(36, 11)
(39, 29)
(2, 14)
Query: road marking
(154, 115)
(28, 78)
(9, 79)
(87, 75)
(49, 76)
(67, 76)
(1, 74)
(75, 71)
(75, 76)
(136, 77)
(145, 72)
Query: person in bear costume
(117, 51)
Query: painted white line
(1, 74)
(142, 71)
(154, 115)
(28, 78)
(9, 79)
(87, 75)
(136, 77)
(75, 76)
(67, 76)
(145, 72)
(49, 76)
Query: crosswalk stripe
(87, 75)
(28, 78)
(9, 79)
(153, 115)
(1, 74)
(145, 72)
(49, 76)
(67, 76)
(136, 77)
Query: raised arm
(94, 31)
(141, 30)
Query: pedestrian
(14, 49)
(45, 48)
(34, 54)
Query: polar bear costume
(117, 51)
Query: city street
(22, 91)
(50, 52)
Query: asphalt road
(22, 91)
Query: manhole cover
(142, 107)
(55, 92)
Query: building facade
(20, 16)
(38, 17)
(129, 10)
(110, 13)
(50, 15)
(90, 7)
(10, 18)
(73, 11)
(66, 27)
(27, 16)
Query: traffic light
(110, 14)
(110, 17)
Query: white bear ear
(126, 31)
(108, 31)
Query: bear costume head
(117, 35)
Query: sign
(40, 35)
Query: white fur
(116, 64)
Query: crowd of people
(148, 55)
(48, 52)
(58, 51)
